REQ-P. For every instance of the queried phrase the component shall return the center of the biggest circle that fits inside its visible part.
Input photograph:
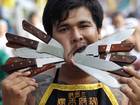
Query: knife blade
(54, 60)
(41, 58)
(100, 75)
(93, 48)
(50, 49)
(82, 59)
(30, 53)
(96, 63)
(116, 37)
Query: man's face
(76, 32)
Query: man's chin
(69, 59)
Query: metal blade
(53, 42)
(53, 50)
(96, 63)
(116, 37)
(42, 58)
(91, 49)
(80, 58)
(54, 60)
(30, 53)
(100, 75)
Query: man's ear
(99, 34)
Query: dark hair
(58, 10)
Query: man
(74, 24)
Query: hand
(16, 87)
(132, 90)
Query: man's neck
(71, 74)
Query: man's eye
(84, 26)
(63, 29)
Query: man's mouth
(76, 49)
(79, 50)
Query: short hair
(58, 10)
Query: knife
(86, 60)
(16, 41)
(15, 63)
(22, 52)
(30, 53)
(100, 75)
(122, 47)
(80, 58)
(96, 63)
(36, 32)
(41, 58)
(114, 38)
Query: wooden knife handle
(9, 68)
(36, 32)
(35, 71)
(127, 59)
(12, 60)
(121, 72)
(13, 45)
(16, 40)
(123, 47)
(17, 63)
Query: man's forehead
(78, 15)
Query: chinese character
(82, 101)
(83, 94)
(93, 101)
(72, 99)
(61, 101)
(77, 94)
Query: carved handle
(36, 32)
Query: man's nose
(77, 35)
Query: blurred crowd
(119, 15)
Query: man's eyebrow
(61, 25)
(84, 21)
(65, 24)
